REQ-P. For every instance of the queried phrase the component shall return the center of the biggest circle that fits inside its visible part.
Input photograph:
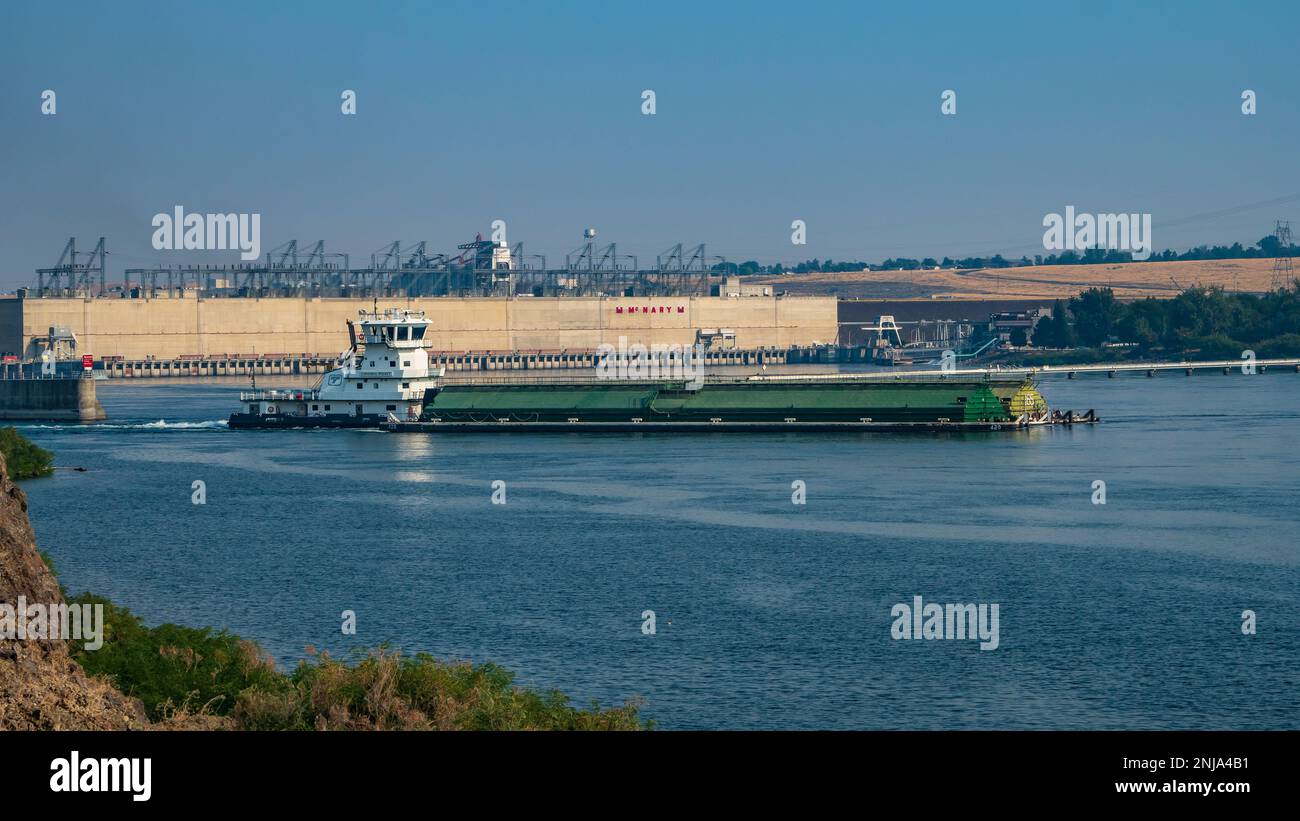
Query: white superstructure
(383, 375)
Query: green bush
(24, 459)
(1215, 346)
(382, 690)
(1280, 347)
(177, 671)
(173, 668)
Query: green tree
(1054, 331)
(1142, 322)
(1095, 314)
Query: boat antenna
(252, 370)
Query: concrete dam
(202, 332)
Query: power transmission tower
(1282, 274)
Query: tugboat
(382, 382)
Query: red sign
(87, 362)
(650, 309)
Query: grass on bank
(25, 459)
(179, 671)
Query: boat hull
(703, 427)
(252, 421)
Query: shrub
(382, 690)
(1216, 346)
(171, 668)
(1280, 347)
(185, 671)
(24, 459)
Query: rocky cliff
(41, 687)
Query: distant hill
(1128, 280)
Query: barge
(739, 403)
(391, 385)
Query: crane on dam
(476, 268)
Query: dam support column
(58, 400)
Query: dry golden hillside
(1134, 279)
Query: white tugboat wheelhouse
(382, 378)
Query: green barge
(760, 403)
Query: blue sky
(531, 112)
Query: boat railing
(284, 395)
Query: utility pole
(1282, 273)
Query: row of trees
(809, 267)
(1266, 248)
(1208, 320)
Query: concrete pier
(55, 400)
(236, 365)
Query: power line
(1282, 274)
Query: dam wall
(70, 400)
(168, 328)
